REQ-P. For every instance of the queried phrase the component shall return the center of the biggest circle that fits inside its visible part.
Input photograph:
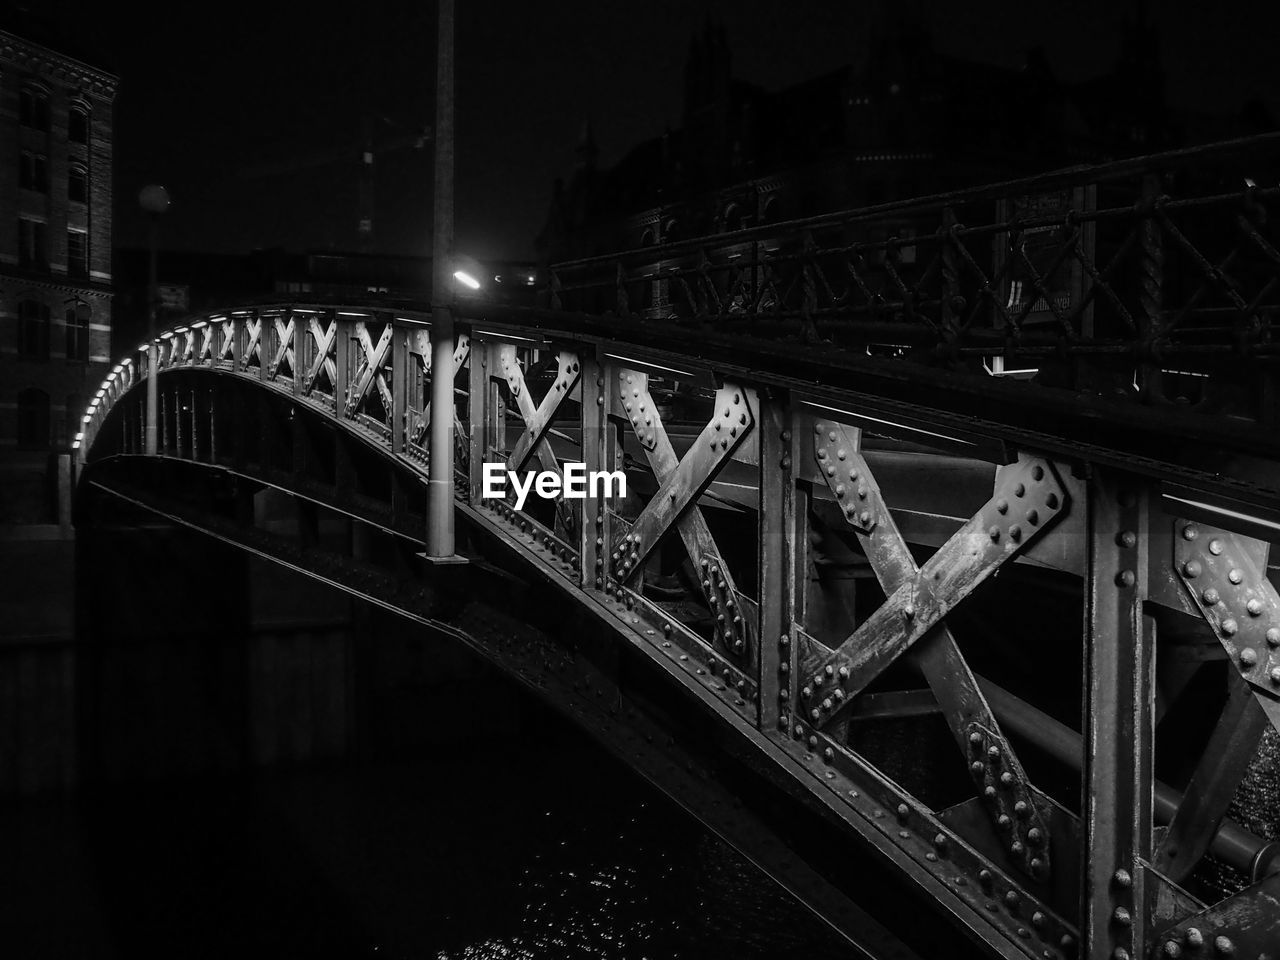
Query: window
(33, 419)
(33, 248)
(33, 108)
(78, 184)
(77, 253)
(78, 124)
(34, 172)
(33, 330)
(77, 320)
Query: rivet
(993, 752)
(818, 428)
(984, 877)
(1004, 821)
(1006, 779)
(975, 738)
(1022, 809)
(1229, 626)
(1210, 597)
(841, 454)
(1235, 576)
(865, 517)
(829, 670)
(1193, 937)
(1172, 948)
(1125, 578)
(1224, 946)
(839, 489)
(813, 742)
(832, 436)
(785, 435)
(828, 754)
(1215, 547)
(1121, 916)
(1273, 636)
(1015, 533)
(1016, 848)
(1248, 656)
(1275, 675)
(1002, 506)
(903, 810)
(1127, 539)
(1011, 898)
(843, 673)
(826, 703)
(805, 693)
(1192, 568)
(989, 792)
(1190, 532)
(940, 841)
(1033, 517)
(977, 766)
(1122, 879)
(909, 611)
(1254, 606)
(1120, 953)
(994, 534)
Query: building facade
(901, 120)
(55, 267)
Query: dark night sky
(206, 88)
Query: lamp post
(154, 199)
(440, 544)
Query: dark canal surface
(548, 848)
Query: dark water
(460, 853)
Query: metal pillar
(153, 350)
(440, 488)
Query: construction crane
(362, 153)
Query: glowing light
(179, 329)
(342, 314)
(167, 335)
(86, 418)
(466, 279)
(101, 391)
(199, 324)
(79, 437)
(75, 445)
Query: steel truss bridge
(974, 662)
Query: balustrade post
(777, 550)
(342, 363)
(1118, 720)
(300, 359)
(399, 386)
(593, 531)
(478, 416)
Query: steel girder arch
(704, 570)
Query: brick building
(901, 120)
(55, 265)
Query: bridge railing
(1155, 279)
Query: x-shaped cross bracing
(681, 483)
(1027, 498)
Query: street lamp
(154, 199)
